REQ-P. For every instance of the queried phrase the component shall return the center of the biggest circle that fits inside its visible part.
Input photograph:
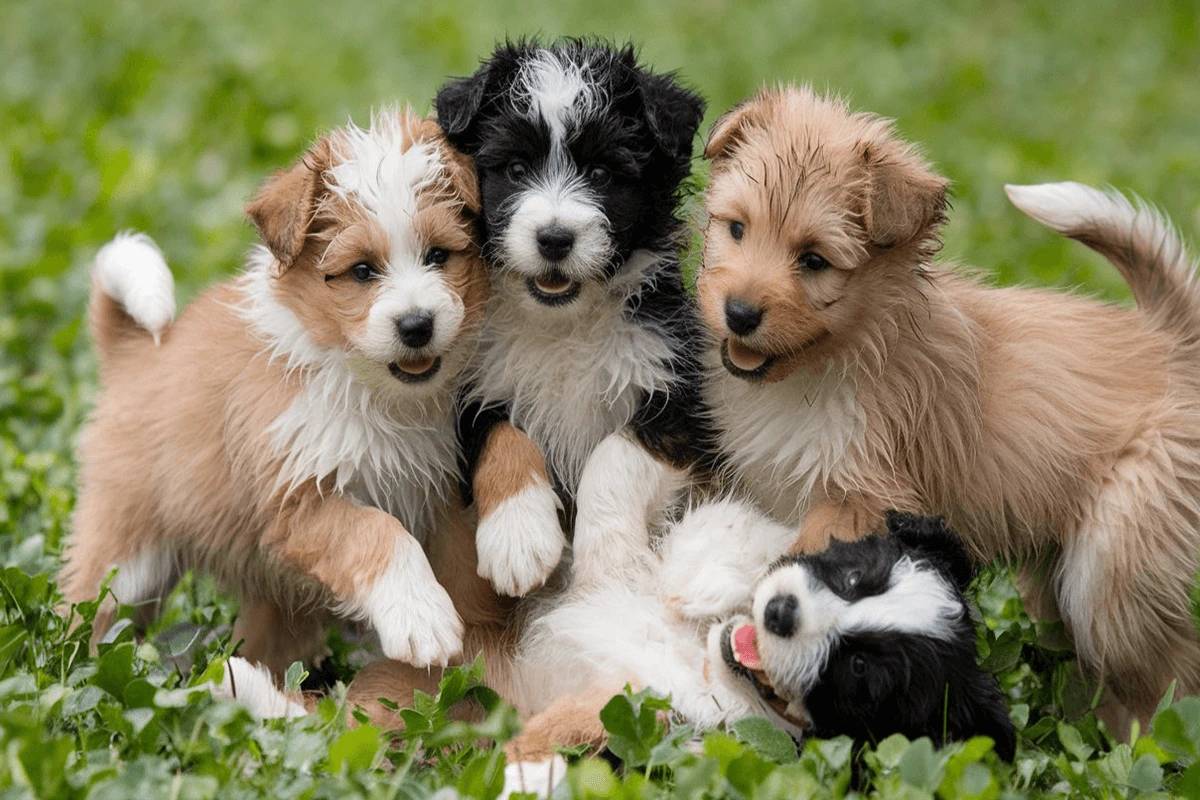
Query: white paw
(412, 613)
(253, 687)
(707, 591)
(534, 777)
(520, 543)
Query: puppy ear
(673, 113)
(978, 709)
(933, 540)
(903, 197)
(729, 128)
(458, 104)
(284, 207)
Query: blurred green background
(164, 116)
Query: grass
(165, 117)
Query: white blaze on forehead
(376, 172)
(557, 90)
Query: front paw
(414, 617)
(533, 777)
(520, 542)
(705, 592)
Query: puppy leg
(713, 558)
(274, 638)
(621, 488)
(1124, 577)
(113, 530)
(533, 766)
(519, 539)
(253, 686)
(375, 569)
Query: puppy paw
(520, 542)
(254, 687)
(707, 591)
(412, 614)
(534, 777)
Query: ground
(165, 116)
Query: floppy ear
(933, 540)
(283, 208)
(460, 168)
(729, 127)
(458, 104)
(978, 710)
(903, 197)
(673, 113)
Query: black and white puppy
(586, 374)
(871, 638)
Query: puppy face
(579, 153)
(371, 232)
(871, 638)
(815, 214)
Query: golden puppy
(851, 375)
(293, 431)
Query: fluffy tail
(133, 293)
(1135, 237)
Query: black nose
(779, 617)
(555, 242)
(741, 318)
(416, 328)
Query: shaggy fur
(580, 152)
(293, 431)
(1039, 424)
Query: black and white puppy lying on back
(871, 638)
(586, 374)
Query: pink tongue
(744, 646)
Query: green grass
(166, 117)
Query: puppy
(876, 638)
(587, 373)
(850, 375)
(294, 430)
(871, 638)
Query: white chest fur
(786, 439)
(378, 443)
(570, 376)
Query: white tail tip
(132, 271)
(253, 687)
(1067, 206)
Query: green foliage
(165, 116)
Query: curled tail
(1135, 237)
(133, 294)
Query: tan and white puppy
(851, 375)
(293, 431)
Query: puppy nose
(555, 242)
(416, 328)
(779, 617)
(742, 318)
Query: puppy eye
(737, 230)
(598, 175)
(436, 256)
(362, 272)
(858, 665)
(813, 262)
(517, 171)
(852, 578)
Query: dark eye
(598, 175)
(737, 230)
(363, 272)
(517, 171)
(858, 665)
(852, 578)
(813, 262)
(436, 256)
